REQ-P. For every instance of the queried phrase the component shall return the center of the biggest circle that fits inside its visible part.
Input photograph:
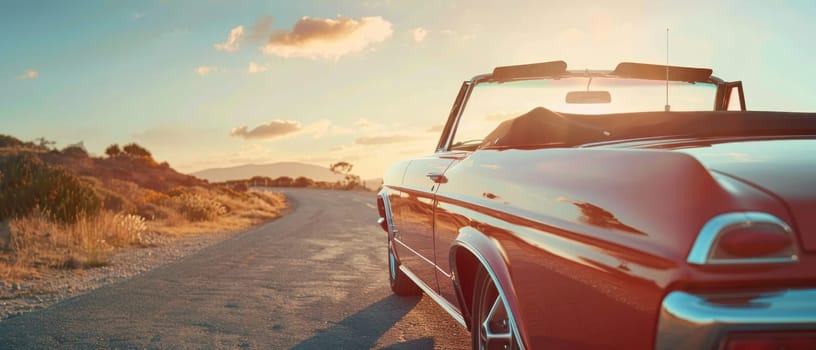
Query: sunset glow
(218, 83)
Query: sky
(212, 83)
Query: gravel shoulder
(56, 285)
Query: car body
(650, 228)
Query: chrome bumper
(700, 321)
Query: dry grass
(237, 211)
(99, 205)
(37, 242)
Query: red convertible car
(638, 208)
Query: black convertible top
(542, 127)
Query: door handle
(437, 178)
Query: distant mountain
(272, 170)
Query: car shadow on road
(362, 329)
(422, 343)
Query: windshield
(491, 103)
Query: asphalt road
(314, 279)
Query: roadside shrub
(230, 192)
(283, 181)
(197, 208)
(240, 187)
(29, 183)
(75, 152)
(9, 141)
(273, 199)
(303, 182)
(152, 211)
(113, 150)
(177, 191)
(115, 202)
(155, 197)
(133, 149)
(116, 195)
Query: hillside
(143, 171)
(271, 170)
(67, 209)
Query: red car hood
(785, 168)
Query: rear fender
(490, 254)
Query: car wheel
(491, 326)
(400, 283)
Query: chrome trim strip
(499, 288)
(387, 204)
(422, 257)
(701, 251)
(450, 309)
(455, 126)
(692, 321)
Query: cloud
(273, 129)
(261, 29)
(231, 45)
(204, 70)
(29, 74)
(363, 123)
(328, 38)
(137, 16)
(419, 34)
(384, 140)
(256, 68)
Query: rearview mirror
(589, 97)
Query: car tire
(491, 327)
(400, 283)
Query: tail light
(744, 238)
(770, 341)
(759, 240)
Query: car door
(414, 215)
(446, 226)
(413, 208)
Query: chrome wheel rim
(495, 327)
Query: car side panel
(589, 242)
(593, 239)
(413, 218)
(566, 293)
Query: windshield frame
(449, 132)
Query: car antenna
(667, 107)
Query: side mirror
(586, 97)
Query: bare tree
(344, 168)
